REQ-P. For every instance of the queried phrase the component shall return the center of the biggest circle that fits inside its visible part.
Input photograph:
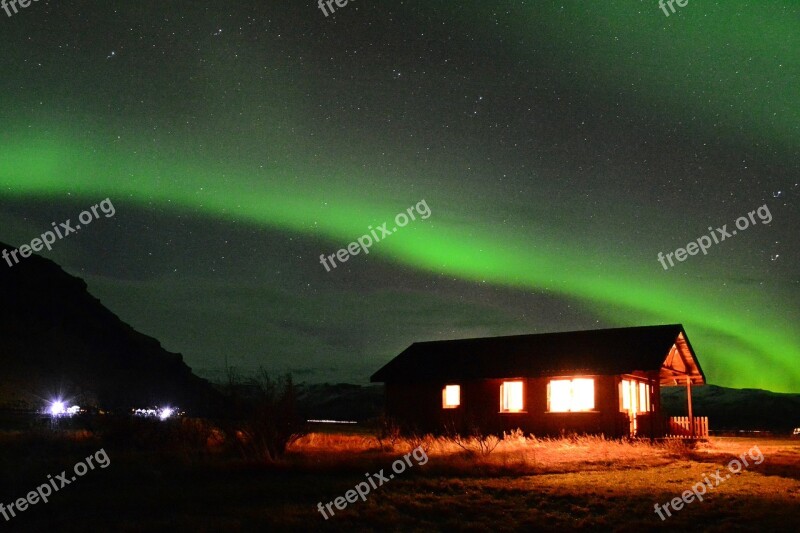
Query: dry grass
(515, 453)
(578, 482)
(525, 483)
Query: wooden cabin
(605, 381)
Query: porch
(682, 369)
(683, 427)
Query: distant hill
(727, 409)
(341, 402)
(56, 338)
(736, 409)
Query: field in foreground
(523, 484)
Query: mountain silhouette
(57, 340)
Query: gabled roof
(599, 352)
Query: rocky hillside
(56, 339)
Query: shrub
(478, 444)
(386, 431)
(264, 418)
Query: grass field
(522, 484)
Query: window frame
(445, 405)
(572, 380)
(640, 385)
(504, 396)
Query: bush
(264, 419)
(479, 444)
(188, 438)
(386, 431)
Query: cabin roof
(664, 349)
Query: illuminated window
(635, 396)
(451, 396)
(644, 396)
(569, 395)
(560, 395)
(511, 397)
(626, 395)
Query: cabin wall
(415, 406)
(418, 407)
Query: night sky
(560, 146)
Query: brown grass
(525, 483)
(514, 454)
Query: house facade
(599, 381)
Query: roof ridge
(569, 332)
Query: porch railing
(679, 427)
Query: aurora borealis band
(560, 147)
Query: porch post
(689, 400)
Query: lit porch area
(681, 369)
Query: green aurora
(623, 293)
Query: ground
(523, 484)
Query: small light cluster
(162, 413)
(59, 409)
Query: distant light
(332, 421)
(162, 413)
(57, 408)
